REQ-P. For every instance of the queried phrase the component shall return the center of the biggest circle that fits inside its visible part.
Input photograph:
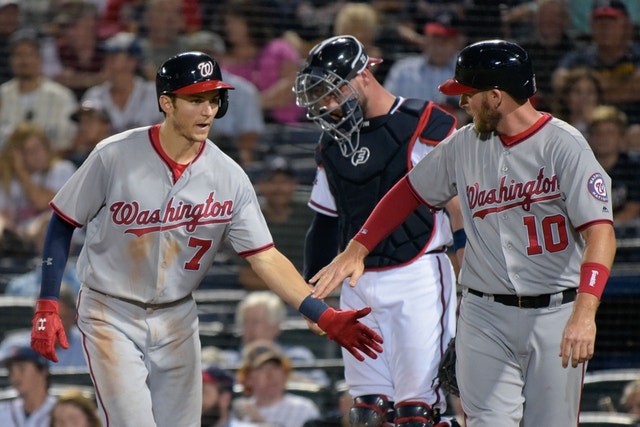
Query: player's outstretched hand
(349, 263)
(47, 329)
(344, 328)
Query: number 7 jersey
(524, 201)
(152, 232)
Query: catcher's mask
(323, 88)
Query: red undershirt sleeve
(391, 211)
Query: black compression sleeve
(320, 244)
(54, 256)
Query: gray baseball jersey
(151, 239)
(523, 200)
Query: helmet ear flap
(223, 103)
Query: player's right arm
(391, 211)
(47, 327)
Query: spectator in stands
(312, 19)
(607, 126)
(9, 24)
(287, 217)
(74, 409)
(577, 95)
(163, 36)
(362, 21)
(29, 376)
(30, 175)
(30, 96)
(238, 133)
(122, 15)
(580, 13)
(614, 55)
(94, 125)
(259, 317)
(338, 417)
(418, 76)
(129, 99)
(264, 375)
(73, 357)
(217, 399)
(126, 15)
(80, 58)
(269, 62)
(630, 399)
(548, 43)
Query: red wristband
(593, 278)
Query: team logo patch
(361, 156)
(206, 68)
(597, 188)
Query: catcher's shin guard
(371, 410)
(415, 414)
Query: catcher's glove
(447, 370)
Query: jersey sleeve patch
(597, 188)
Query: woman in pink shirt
(269, 62)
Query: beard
(486, 120)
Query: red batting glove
(344, 328)
(47, 329)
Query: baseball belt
(145, 305)
(535, 301)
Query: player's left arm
(579, 335)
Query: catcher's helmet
(330, 66)
(492, 64)
(192, 72)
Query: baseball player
(156, 202)
(371, 139)
(537, 215)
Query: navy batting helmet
(192, 72)
(492, 64)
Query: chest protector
(358, 182)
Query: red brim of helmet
(202, 87)
(453, 87)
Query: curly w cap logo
(206, 68)
(597, 187)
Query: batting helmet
(330, 66)
(492, 64)
(192, 72)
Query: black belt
(537, 301)
(145, 305)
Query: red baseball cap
(445, 24)
(609, 9)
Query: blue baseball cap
(24, 353)
(219, 377)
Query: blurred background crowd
(73, 72)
